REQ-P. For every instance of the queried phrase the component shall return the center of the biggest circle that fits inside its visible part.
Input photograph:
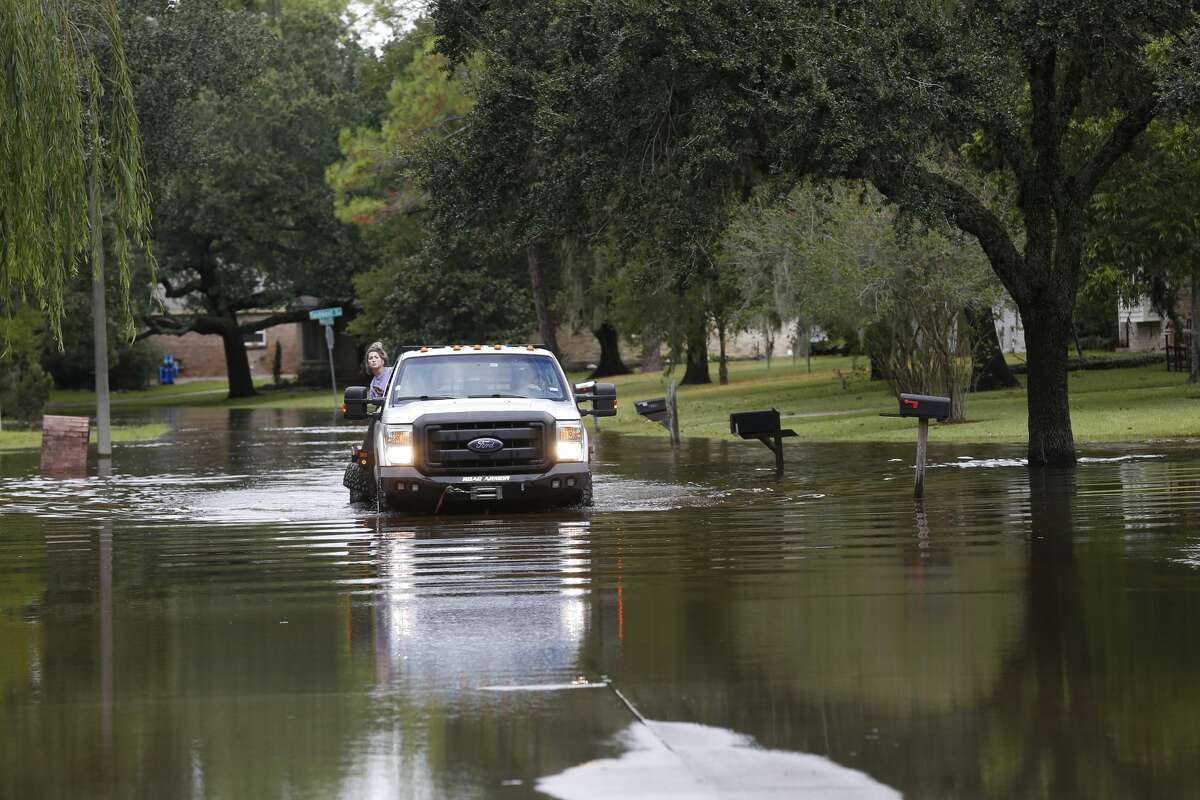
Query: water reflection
(213, 619)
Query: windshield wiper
(516, 396)
(426, 397)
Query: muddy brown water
(214, 620)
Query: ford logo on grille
(485, 444)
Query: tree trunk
(1194, 372)
(652, 360)
(697, 356)
(237, 363)
(989, 370)
(722, 362)
(610, 353)
(1047, 338)
(536, 253)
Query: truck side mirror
(354, 403)
(603, 397)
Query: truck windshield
(478, 375)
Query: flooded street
(215, 620)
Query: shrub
(24, 385)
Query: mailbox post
(764, 426)
(662, 410)
(922, 407)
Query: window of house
(255, 340)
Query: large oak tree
(242, 116)
(652, 115)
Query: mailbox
(653, 410)
(924, 406)
(354, 404)
(754, 423)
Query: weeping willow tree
(69, 147)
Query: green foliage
(67, 127)
(421, 291)
(433, 298)
(241, 120)
(1144, 223)
(72, 364)
(836, 258)
(650, 121)
(24, 386)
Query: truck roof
(416, 351)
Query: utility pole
(99, 316)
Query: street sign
(325, 314)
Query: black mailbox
(354, 403)
(924, 406)
(754, 423)
(652, 409)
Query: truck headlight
(398, 445)
(570, 441)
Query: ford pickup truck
(475, 425)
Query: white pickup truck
(476, 424)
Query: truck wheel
(360, 482)
(584, 498)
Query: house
(1142, 328)
(301, 345)
(1009, 329)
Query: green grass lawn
(31, 440)
(834, 403)
(192, 393)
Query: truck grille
(446, 452)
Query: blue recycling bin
(168, 370)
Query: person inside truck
(376, 364)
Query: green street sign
(325, 313)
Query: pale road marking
(686, 761)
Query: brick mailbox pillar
(65, 444)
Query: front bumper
(408, 487)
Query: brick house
(301, 346)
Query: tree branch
(969, 214)
(1083, 184)
(180, 291)
(283, 318)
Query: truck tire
(581, 500)
(360, 482)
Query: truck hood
(409, 412)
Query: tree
(591, 275)
(60, 144)
(1145, 222)
(242, 119)
(660, 113)
(24, 387)
(420, 290)
(836, 256)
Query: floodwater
(214, 620)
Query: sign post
(326, 316)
